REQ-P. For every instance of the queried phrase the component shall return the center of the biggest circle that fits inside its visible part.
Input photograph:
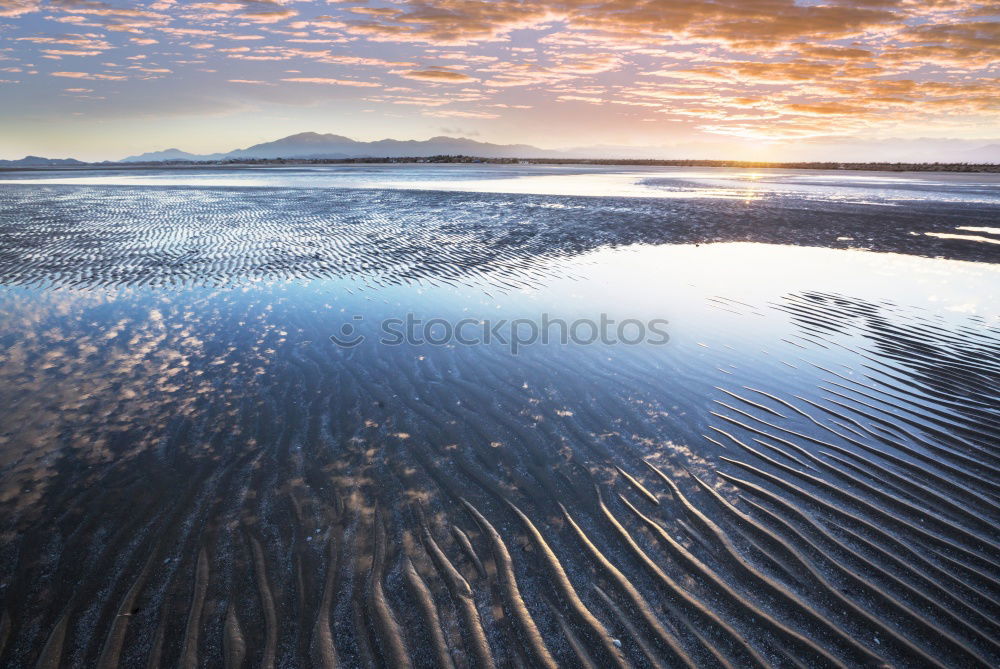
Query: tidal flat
(211, 456)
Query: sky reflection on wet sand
(200, 456)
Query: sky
(727, 79)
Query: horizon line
(467, 159)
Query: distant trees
(742, 164)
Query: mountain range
(311, 145)
(308, 145)
(314, 145)
(37, 161)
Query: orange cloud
(469, 21)
(436, 75)
(743, 67)
(826, 108)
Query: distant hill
(312, 145)
(984, 154)
(316, 146)
(37, 161)
(170, 155)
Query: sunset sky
(757, 79)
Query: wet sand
(192, 473)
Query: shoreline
(950, 168)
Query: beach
(307, 416)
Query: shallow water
(802, 472)
(564, 180)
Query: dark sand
(192, 473)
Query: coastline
(597, 162)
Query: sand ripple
(220, 492)
(72, 236)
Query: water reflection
(116, 236)
(572, 180)
(196, 473)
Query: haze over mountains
(314, 145)
(311, 145)
(38, 161)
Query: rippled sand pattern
(121, 236)
(200, 477)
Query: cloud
(826, 108)
(332, 82)
(436, 74)
(18, 7)
(87, 42)
(741, 21)
(269, 16)
(68, 52)
(449, 21)
(87, 75)
(454, 113)
(749, 68)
